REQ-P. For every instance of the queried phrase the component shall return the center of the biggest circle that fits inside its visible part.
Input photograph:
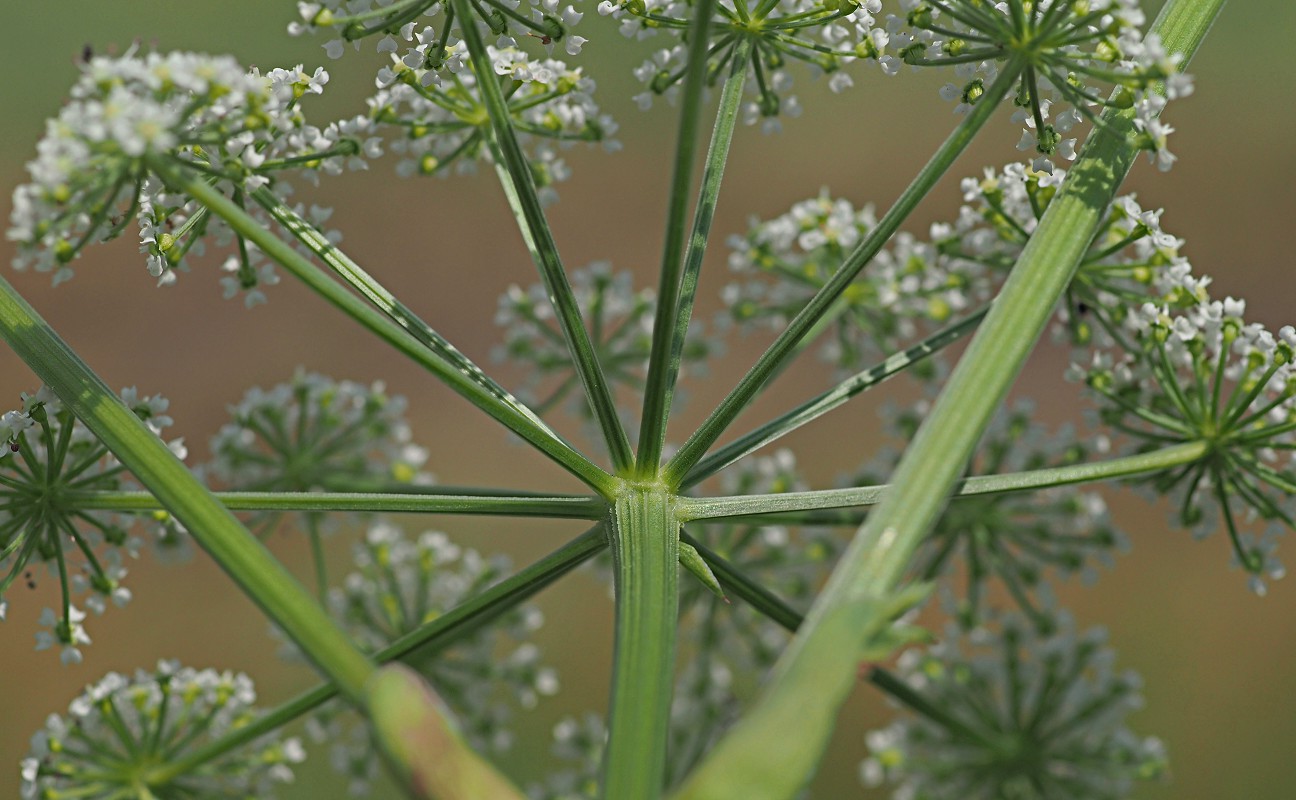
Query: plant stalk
(645, 549)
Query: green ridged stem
(656, 404)
(645, 549)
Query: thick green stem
(645, 548)
(772, 504)
(450, 374)
(451, 627)
(233, 547)
(786, 344)
(833, 398)
(563, 507)
(656, 406)
(539, 239)
(877, 558)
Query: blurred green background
(1220, 686)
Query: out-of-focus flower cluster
(121, 737)
(910, 286)
(50, 467)
(620, 319)
(401, 583)
(1006, 711)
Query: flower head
(50, 465)
(120, 736)
(827, 35)
(316, 433)
(620, 317)
(1204, 375)
(241, 128)
(1008, 712)
(1068, 50)
(401, 583)
(402, 27)
(444, 122)
(910, 286)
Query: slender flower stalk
(656, 408)
(520, 187)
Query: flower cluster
(50, 467)
(910, 286)
(578, 743)
(445, 123)
(824, 34)
(199, 113)
(120, 737)
(1012, 538)
(1204, 375)
(1009, 712)
(400, 27)
(402, 583)
(1063, 49)
(315, 433)
(620, 318)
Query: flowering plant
(1195, 401)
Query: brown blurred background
(1220, 686)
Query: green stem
(877, 558)
(521, 191)
(711, 508)
(773, 607)
(237, 551)
(398, 312)
(564, 507)
(786, 344)
(449, 628)
(833, 398)
(656, 405)
(393, 334)
(645, 549)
